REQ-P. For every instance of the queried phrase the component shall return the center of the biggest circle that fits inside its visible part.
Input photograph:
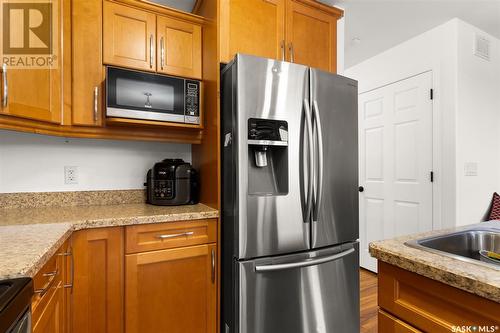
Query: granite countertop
(471, 277)
(30, 236)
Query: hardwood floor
(369, 308)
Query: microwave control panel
(192, 104)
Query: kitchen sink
(463, 245)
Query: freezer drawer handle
(305, 263)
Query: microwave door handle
(304, 263)
(319, 185)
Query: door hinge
(432, 94)
(432, 176)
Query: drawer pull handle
(72, 268)
(49, 284)
(213, 265)
(189, 233)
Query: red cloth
(495, 207)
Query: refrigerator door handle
(310, 161)
(304, 263)
(319, 185)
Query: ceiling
(373, 26)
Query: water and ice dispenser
(267, 157)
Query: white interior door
(395, 162)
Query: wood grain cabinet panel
(160, 236)
(129, 37)
(171, 290)
(51, 318)
(255, 27)
(390, 324)
(97, 303)
(87, 69)
(429, 305)
(311, 36)
(179, 47)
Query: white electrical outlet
(70, 175)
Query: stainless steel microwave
(149, 96)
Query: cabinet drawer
(150, 237)
(390, 324)
(46, 280)
(429, 305)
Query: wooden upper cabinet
(33, 92)
(255, 27)
(129, 37)
(311, 35)
(171, 290)
(299, 31)
(97, 302)
(87, 69)
(179, 47)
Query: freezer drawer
(313, 292)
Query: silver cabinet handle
(282, 46)
(292, 52)
(304, 263)
(189, 233)
(5, 95)
(49, 284)
(96, 103)
(213, 266)
(310, 161)
(72, 269)
(319, 136)
(162, 52)
(151, 51)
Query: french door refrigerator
(289, 199)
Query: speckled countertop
(472, 277)
(30, 236)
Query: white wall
(478, 125)
(434, 51)
(466, 113)
(35, 163)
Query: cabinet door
(52, 318)
(31, 82)
(179, 47)
(129, 37)
(87, 69)
(97, 303)
(254, 27)
(171, 290)
(311, 36)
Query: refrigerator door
(334, 104)
(272, 222)
(309, 292)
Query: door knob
(361, 189)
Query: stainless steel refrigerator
(289, 199)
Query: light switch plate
(470, 169)
(70, 175)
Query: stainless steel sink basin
(463, 245)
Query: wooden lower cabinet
(171, 290)
(413, 303)
(97, 300)
(51, 318)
